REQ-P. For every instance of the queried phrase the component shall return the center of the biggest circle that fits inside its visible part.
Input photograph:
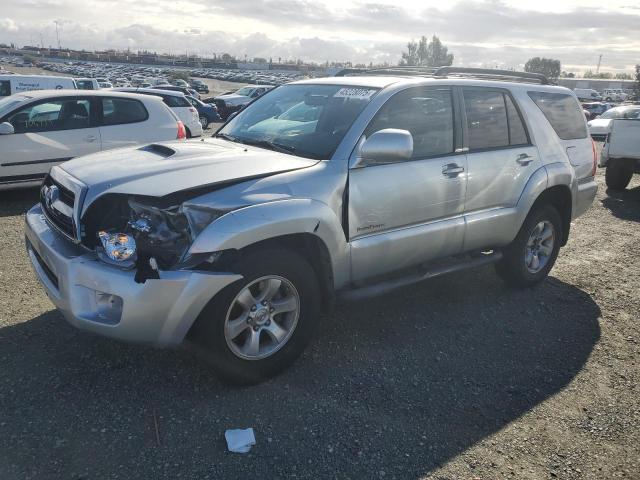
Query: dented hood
(161, 169)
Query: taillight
(182, 132)
(595, 158)
(192, 110)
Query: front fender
(255, 223)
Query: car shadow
(18, 202)
(624, 204)
(397, 384)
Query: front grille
(60, 218)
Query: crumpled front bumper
(106, 300)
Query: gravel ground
(456, 378)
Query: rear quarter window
(563, 113)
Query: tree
(549, 67)
(623, 76)
(636, 85)
(426, 53)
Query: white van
(10, 84)
(587, 94)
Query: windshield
(9, 102)
(305, 120)
(616, 113)
(246, 91)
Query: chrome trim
(80, 190)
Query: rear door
(122, 122)
(501, 159)
(47, 132)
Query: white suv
(39, 129)
(177, 102)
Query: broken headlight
(118, 247)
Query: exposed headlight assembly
(118, 247)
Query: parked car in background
(178, 103)
(87, 84)
(10, 84)
(199, 86)
(239, 241)
(185, 90)
(105, 85)
(595, 109)
(39, 129)
(178, 82)
(587, 95)
(621, 153)
(207, 112)
(614, 95)
(232, 102)
(600, 127)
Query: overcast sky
(479, 33)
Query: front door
(403, 214)
(46, 133)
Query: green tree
(549, 67)
(425, 53)
(623, 76)
(636, 85)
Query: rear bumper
(106, 300)
(584, 195)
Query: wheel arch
(558, 196)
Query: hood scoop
(162, 150)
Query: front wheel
(259, 325)
(530, 257)
(204, 122)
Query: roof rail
(443, 72)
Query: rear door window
(487, 123)
(563, 113)
(118, 111)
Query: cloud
(483, 33)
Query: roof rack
(445, 72)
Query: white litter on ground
(240, 441)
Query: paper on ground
(240, 441)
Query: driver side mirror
(390, 145)
(6, 128)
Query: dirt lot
(456, 378)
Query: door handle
(90, 138)
(452, 170)
(524, 159)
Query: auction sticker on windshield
(359, 93)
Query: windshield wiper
(278, 147)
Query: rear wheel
(618, 175)
(204, 122)
(259, 325)
(530, 257)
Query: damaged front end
(147, 234)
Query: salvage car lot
(459, 377)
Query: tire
(618, 175)
(204, 122)
(210, 332)
(513, 267)
(188, 132)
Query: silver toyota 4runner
(346, 186)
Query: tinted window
(517, 132)
(84, 84)
(5, 88)
(117, 111)
(563, 113)
(486, 119)
(175, 101)
(426, 113)
(53, 115)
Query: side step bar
(360, 293)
